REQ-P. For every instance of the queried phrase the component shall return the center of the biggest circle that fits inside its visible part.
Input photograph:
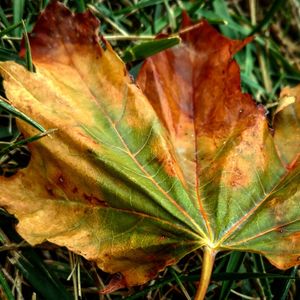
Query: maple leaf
(136, 182)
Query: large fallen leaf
(136, 183)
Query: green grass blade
(287, 284)
(10, 28)
(180, 284)
(221, 8)
(26, 141)
(277, 4)
(38, 275)
(260, 267)
(3, 18)
(147, 49)
(18, 11)
(197, 5)
(28, 57)
(171, 15)
(162, 22)
(4, 288)
(8, 128)
(138, 5)
(6, 54)
(234, 264)
(15, 112)
(80, 5)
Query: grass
(267, 64)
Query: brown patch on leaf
(195, 89)
(74, 29)
(94, 200)
(61, 180)
(49, 190)
(117, 282)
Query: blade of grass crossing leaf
(25, 141)
(147, 49)
(4, 287)
(277, 4)
(10, 109)
(287, 284)
(28, 57)
(233, 265)
(18, 10)
(8, 129)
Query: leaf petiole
(206, 271)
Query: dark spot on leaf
(94, 200)
(49, 190)
(75, 190)
(60, 180)
(86, 211)
(280, 230)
